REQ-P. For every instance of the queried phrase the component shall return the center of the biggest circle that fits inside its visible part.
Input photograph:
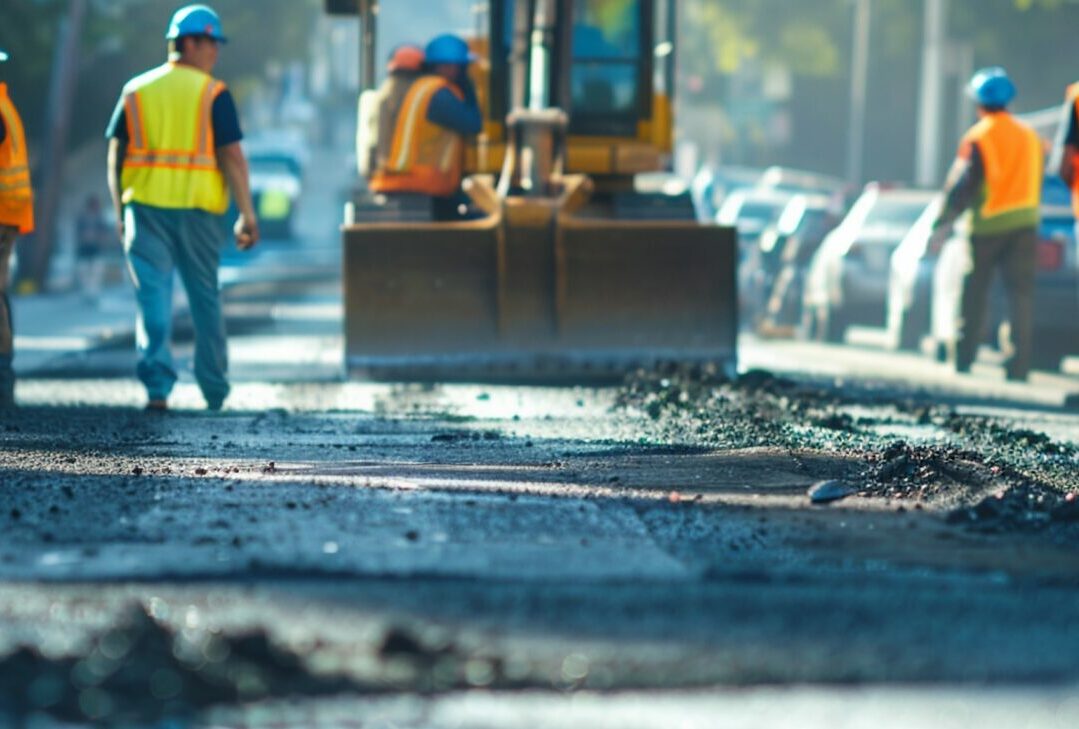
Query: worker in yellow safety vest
(425, 153)
(174, 154)
(1065, 159)
(16, 218)
(996, 182)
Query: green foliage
(124, 37)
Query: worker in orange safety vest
(1065, 159)
(996, 182)
(425, 154)
(16, 218)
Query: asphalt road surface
(344, 554)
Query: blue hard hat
(448, 49)
(992, 88)
(196, 20)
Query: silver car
(847, 282)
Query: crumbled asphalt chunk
(141, 672)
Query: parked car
(276, 185)
(712, 184)
(752, 211)
(1056, 290)
(847, 281)
(787, 179)
(786, 250)
(910, 283)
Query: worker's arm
(1066, 146)
(115, 167)
(7, 232)
(461, 115)
(116, 133)
(233, 164)
(965, 181)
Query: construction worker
(174, 153)
(16, 218)
(379, 110)
(1065, 156)
(996, 182)
(425, 154)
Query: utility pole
(863, 16)
(931, 111)
(61, 97)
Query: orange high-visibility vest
(424, 157)
(171, 159)
(1011, 154)
(16, 195)
(1073, 99)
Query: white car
(847, 281)
(910, 283)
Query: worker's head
(448, 56)
(407, 58)
(991, 89)
(194, 36)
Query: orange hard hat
(406, 58)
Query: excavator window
(610, 76)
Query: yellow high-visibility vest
(423, 156)
(16, 195)
(171, 159)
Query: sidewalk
(49, 326)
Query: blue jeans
(159, 242)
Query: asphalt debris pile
(140, 672)
(902, 471)
(980, 470)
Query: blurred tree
(1034, 39)
(125, 37)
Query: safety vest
(423, 157)
(16, 195)
(171, 159)
(1073, 99)
(1011, 155)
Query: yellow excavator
(586, 260)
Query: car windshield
(894, 213)
(273, 166)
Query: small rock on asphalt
(825, 492)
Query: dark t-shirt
(225, 120)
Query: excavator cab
(585, 260)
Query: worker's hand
(247, 232)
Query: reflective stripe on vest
(424, 158)
(171, 160)
(1011, 154)
(1073, 97)
(16, 194)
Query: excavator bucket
(534, 293)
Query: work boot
(157, 405)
